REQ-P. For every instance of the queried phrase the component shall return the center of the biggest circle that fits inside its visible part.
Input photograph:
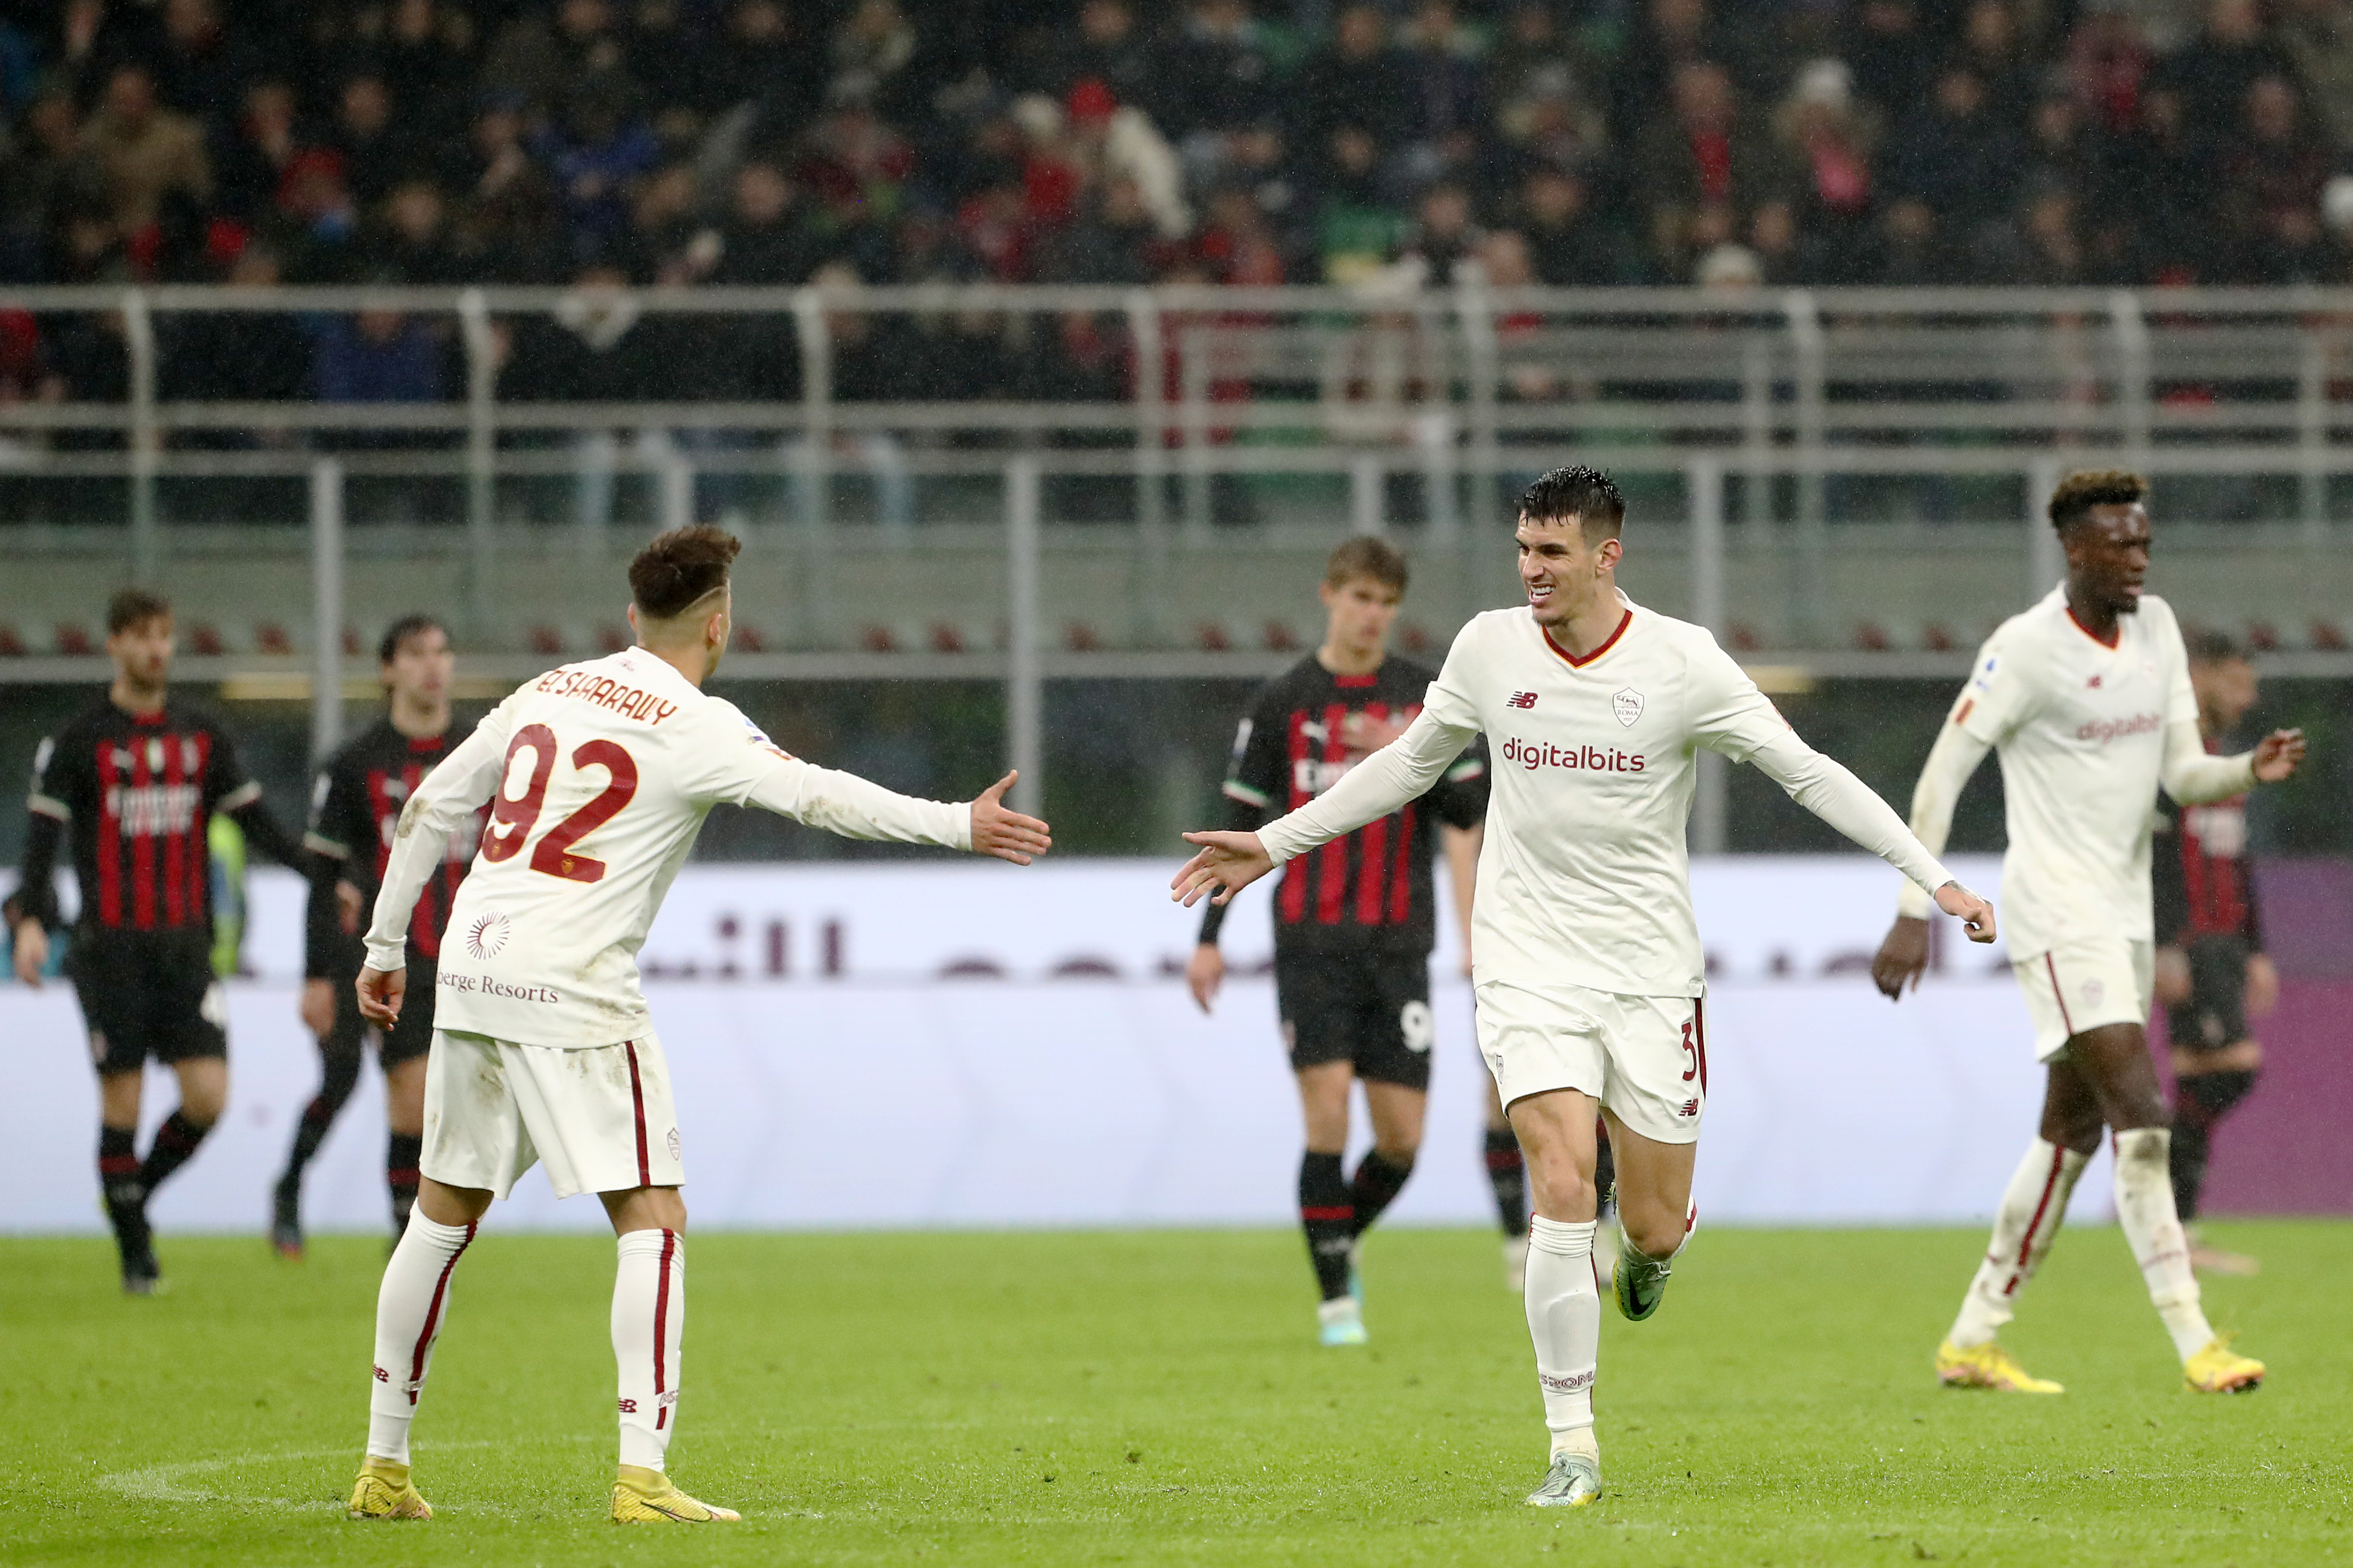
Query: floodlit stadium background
(1040, 365)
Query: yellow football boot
(1988, 1367)
(646, 1497)
(2218, 1369)
(384, 1491)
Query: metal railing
(1771, 413)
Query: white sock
(410, 1307)
(1564, 1303)
(2023, 1230)
(2145, 1209)
(648, 1321)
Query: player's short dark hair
(387, 647)
(1364, 556)
(2207, 646)
(134, 607)
(1585, 494)
(2078, 493)
(679, 567)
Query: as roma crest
(1627, 705)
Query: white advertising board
(966, 1044)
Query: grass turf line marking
(160, 1483)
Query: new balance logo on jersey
(382, 1375)
(628, 1407)
(2093, 684)
(1688, 1108)
(1523, 700)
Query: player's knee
(1562, 1191)
(1398, 1154)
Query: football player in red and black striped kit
(354, 807)
(134, 780)
(2212, 972)
(1354, 922)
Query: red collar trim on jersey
(2111, 640)
(425, 743)
(1607, 643)
(157, 717)
(1354, 682)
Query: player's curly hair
(679, 567)
(2078, 493)
(1585, 494)
(2205, 645)
(387, 647)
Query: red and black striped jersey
(136, 793)
(2201, 877)
(1305, 730)
(355, 806)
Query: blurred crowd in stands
(1559, 142)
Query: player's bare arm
(999, 830)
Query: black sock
(1329, 1217)
(174, 1142)
(1375, 1186)
(400, 1156)
(339, 1075)
(1507, 1173)
(118, 1180)
(2199, 1101)
(1604, 1170)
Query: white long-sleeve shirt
(2086, 730)
(598, 776)
(1584, 876)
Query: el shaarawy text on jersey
(1374, 886)
(598, 776)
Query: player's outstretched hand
(2276, 755)
(1976, 914)
(1227, 861)
(380, 994)
(32, 951)
(998, 830)
(1205, 971)
(1902, 958)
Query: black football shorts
(2216, 1013)
(1369, 1009)
(411, 1034)
(148, 994)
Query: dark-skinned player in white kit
(2087, 696)
(598, 776)
(1586, 955)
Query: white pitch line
(162, 1483)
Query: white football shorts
(2081, 985)
(1643, 1057)
(600, 1119)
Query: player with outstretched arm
(598, 776)
(1587, 967)
(2087, 697)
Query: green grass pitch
(1157, 1397)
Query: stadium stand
(682, 141)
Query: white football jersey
(2081, 728)
(598, 776)
(1584, 876)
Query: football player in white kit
(598, 776)
(1585, 952)
(2087, 698)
